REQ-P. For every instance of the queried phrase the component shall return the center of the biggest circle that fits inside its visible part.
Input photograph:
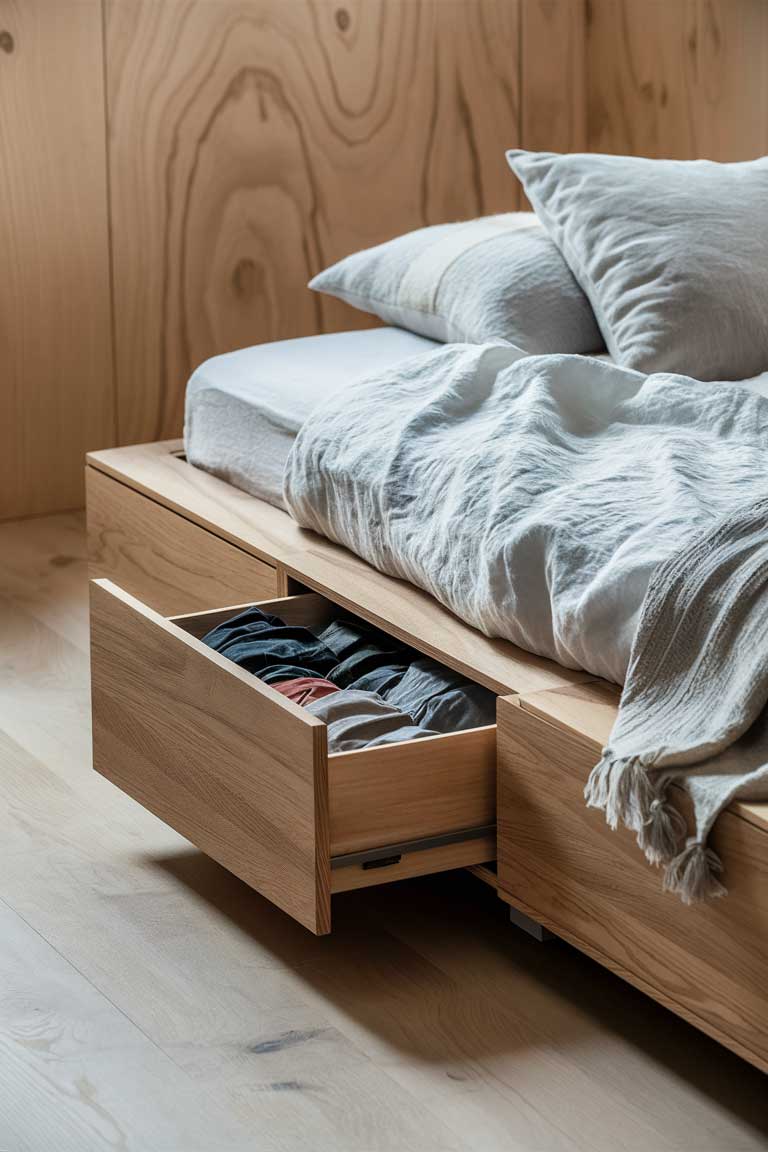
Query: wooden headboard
(187, 165)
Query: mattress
(244, 409)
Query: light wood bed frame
(246, 775)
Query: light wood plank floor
(150, 1001)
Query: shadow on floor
(433, 968)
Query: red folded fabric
(305, 689)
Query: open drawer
(245, 774)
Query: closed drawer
(172, 564)
(561, 864)
(245, 774)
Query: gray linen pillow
(672, 254)
(495, 278)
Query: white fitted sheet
(244, 409)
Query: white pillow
(672, 254)
(496, 278)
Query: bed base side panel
(561, 865)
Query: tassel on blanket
(661, 835)
(693, 875)
(622, 788)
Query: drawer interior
(246, 775)
(307, 611)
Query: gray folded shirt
(363, 720)
(441, 699)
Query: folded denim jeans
(369, 659)
(271, 649)
(345, 637)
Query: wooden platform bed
(246, 775)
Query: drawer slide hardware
(392, 853)
(384, 861)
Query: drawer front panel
(429, 787)
(223, 759)
(171, 564)
(561, 864)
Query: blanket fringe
(621, 787)
(661, 835)
(693, 874)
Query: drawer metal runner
(392, 853)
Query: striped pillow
(475, 282)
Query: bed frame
(246, 775)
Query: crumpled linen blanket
(533, 496)
(693, 710)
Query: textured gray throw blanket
(693, 710)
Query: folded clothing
(440, 699)
(363, 720)
(370, 688)
(368, 659)
(305, 689)
(350, 653)
(436, 697)
(270, 649)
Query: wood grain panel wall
(252, 142)
(678, 78)
(56, 386)
(552, 75)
